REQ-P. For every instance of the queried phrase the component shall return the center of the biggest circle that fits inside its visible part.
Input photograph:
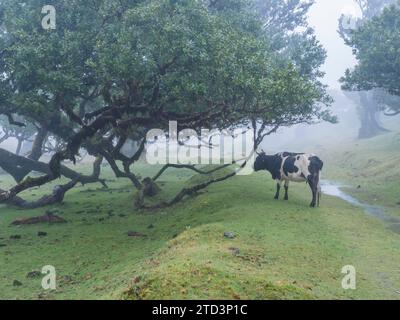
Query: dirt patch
(136, 234)
(47, 218)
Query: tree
(370, 102)
(111, 71)
(376, 45)
(22, 134)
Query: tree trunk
(57, 196)
(368, 117)
(37, 147)
(19, 146)
(35, 154)
(17, 166)
(149, 189)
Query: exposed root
(56, 197)
(47, 218)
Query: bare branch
(14, 122)
(190, 167)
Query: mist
(323, 17)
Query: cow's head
(261, 162)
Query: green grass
(369, 169)
(286, 249)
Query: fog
(323, 17)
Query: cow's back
(297, 166)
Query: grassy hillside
(281, 249)
(369, 169)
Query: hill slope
(369, 169)
(281, 249)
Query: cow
(297, 167)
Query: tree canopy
(376, 45)
(113, 70)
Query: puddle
(332, 189)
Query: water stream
(332, 189)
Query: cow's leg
(313, 186)
(286, 189)
(278, 189)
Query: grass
(369, 169)
(282, 250)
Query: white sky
(324, 17)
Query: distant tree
(370, 102)
(22, 134)
(376, 45)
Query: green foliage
(371, 8)
(376, 45)
(184, 56)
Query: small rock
(236, 296)
(42, 234)
(43, 295)
(33, 274)
(17, 283)
(15, 237)
(229, 235)
(235, 251)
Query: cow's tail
(319, 189)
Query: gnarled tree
(113, 70)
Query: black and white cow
(297, 167)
